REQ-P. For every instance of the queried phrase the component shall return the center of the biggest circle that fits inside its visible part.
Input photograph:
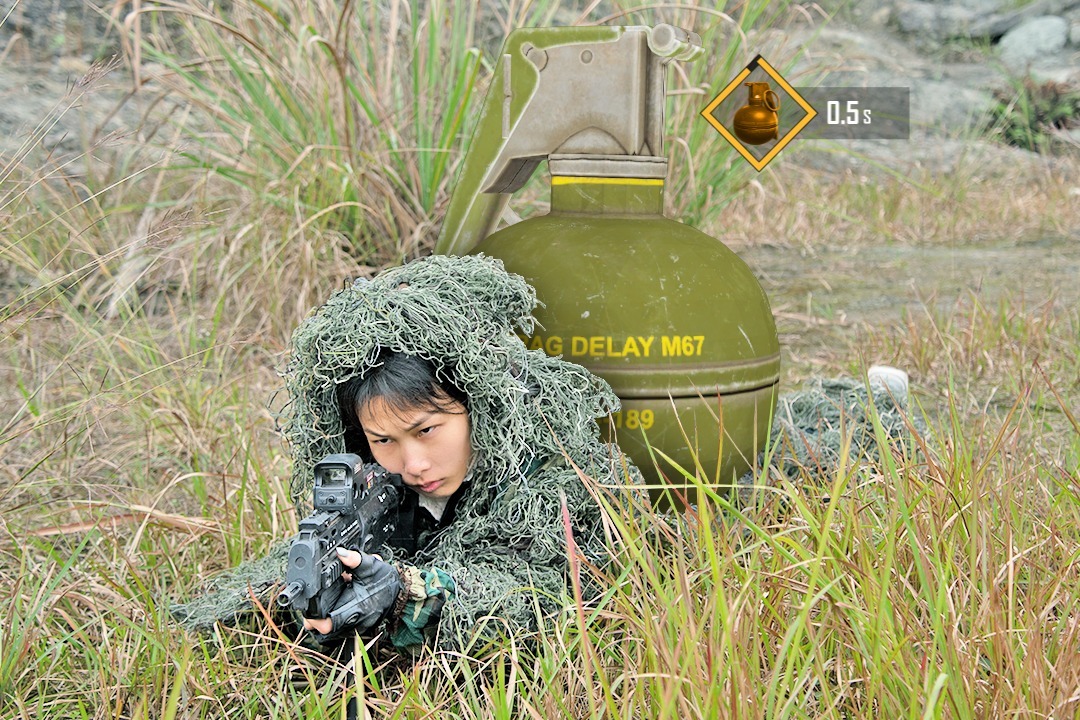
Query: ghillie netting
(810, 426)
(459, 313)
(524, 407)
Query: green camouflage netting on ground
(810, 425)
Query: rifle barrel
(285, 597)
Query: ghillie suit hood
(459, 313)
(532, 419)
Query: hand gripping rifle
(355, 507)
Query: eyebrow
(423, 419)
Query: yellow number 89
(634, 419)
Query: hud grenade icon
(758, 123)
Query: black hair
(405, 383)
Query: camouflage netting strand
(460, 314)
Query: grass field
(147, 303)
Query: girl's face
(428, 447)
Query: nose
(416, 462)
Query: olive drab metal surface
(673, 319)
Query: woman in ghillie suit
(483, 540)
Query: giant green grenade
(673, 319)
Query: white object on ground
(892, 379)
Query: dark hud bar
(857, 113)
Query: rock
(851, 56)
(1060, 74)
(1074, 34)
(944, 96)
(944, 106)
(936, 22)
(996, 25)
(976, 19)
(55, 27)
(1031, 41)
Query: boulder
(1031, 41)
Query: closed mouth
(429, 487)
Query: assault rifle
(355, 507)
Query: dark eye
(428, 429)
(378, 441)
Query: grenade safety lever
(590, 92)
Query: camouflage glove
(363, 601)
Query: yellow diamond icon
(758, 121)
